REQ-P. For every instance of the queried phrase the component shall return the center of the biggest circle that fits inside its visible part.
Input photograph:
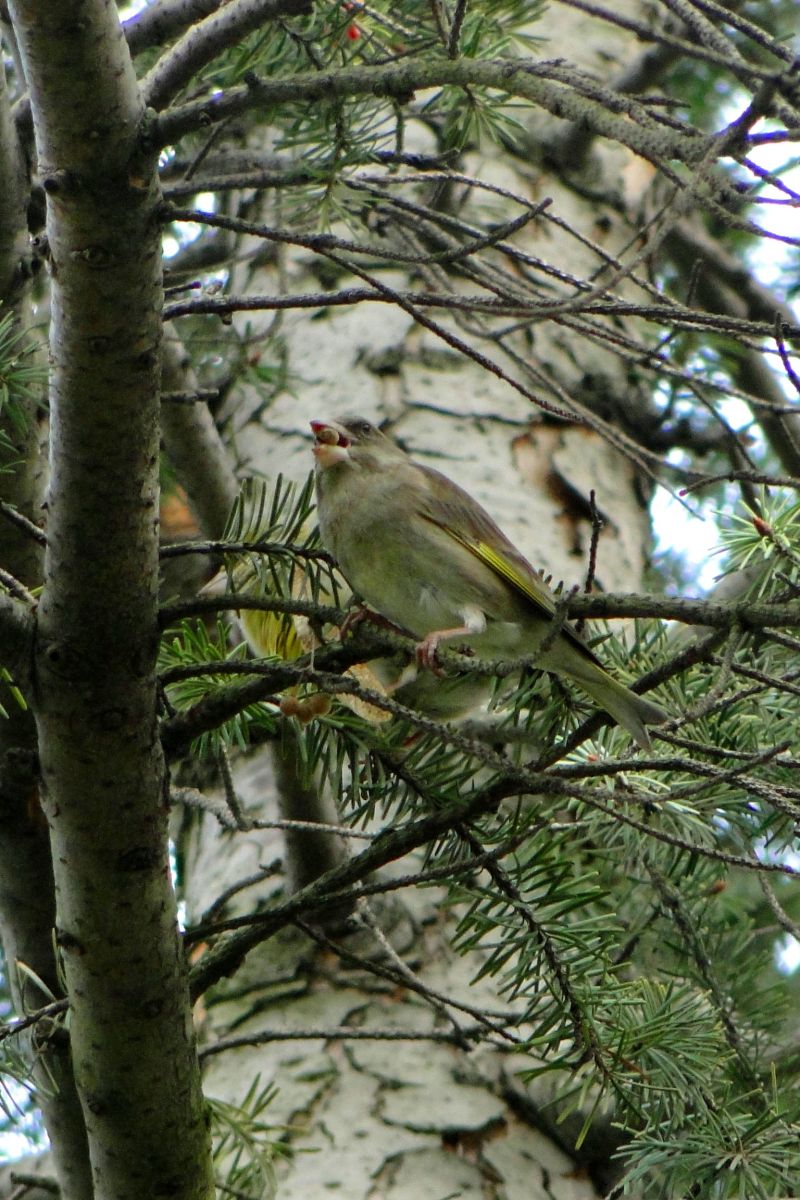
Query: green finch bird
(425, 555)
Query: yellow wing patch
(527, 584)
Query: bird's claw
(364, 613)
(353, 619)
(426, 654)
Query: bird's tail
(630, 711)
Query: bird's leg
(363, 613)
(474, 623)
(353, 619)
(426, 650)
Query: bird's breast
(407, 567)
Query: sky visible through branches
(316, 204)
(691, 531)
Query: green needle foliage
(245, 1143)
(604, 912)
(22, 380)
(620, 912)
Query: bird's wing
(445, 504)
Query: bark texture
(100, 758)
(425, 1117)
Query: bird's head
(352, 440)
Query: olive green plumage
(418, 549)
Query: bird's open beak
(331, 444)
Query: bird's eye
(363, 429)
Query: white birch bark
(423, 1119)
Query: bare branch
(158, 23)
(212, 36)
(198, 454)
(549, 85)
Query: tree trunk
(434, 1118)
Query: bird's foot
(354, 618)
(426, 653)
(363, 613)
(427, 649)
